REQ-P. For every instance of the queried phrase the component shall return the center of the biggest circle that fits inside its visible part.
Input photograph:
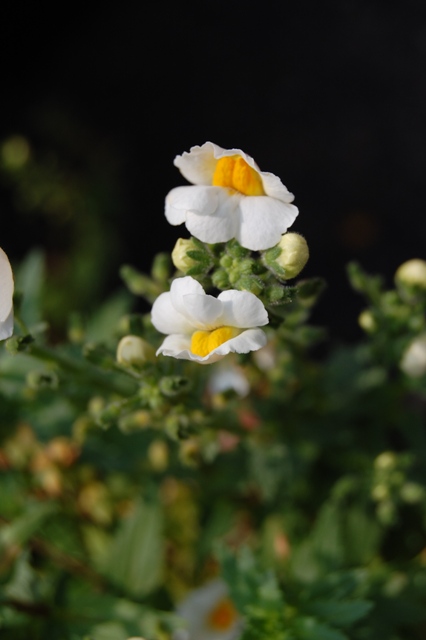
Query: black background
(330, 96)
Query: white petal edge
(242, 309)
(6, 327)
(6, 287)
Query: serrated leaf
(199, 256)
(197, 270)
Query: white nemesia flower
(6, 297)
(229, 198)
(209, 614)
(203, 328)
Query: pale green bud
(413, 361)
(412, 273)
(133, 350)
(410, 280)
(366, 321)
(294, 254)
(180, 259)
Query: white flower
(6, 297)
(209, 614)
(230, 198)
(203, 328)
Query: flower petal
(220, 226)
(6, 327)
(198, 165)
(175, 345)
(263, 221)
(274, 187)
(6, 287)
(242, 309)
(204, 310)
(183, 199)
(166, 318)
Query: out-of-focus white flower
(6, 297)
(209, 614)
(229, 198)
(227, 378)
(203, 328)
(412, 273)
(413, 361)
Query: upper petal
(166, 318)
(198, 165)
(242, 309)
(204, 310)
(6, 287)
(263, 220)
(274, 187)
(191, 198)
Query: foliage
(124, 486)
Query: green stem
(123, 386)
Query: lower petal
(192, 198)
(219, 226)
(263, 220)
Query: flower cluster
(230, 199)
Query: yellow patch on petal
(233, 172)
(203, 342)
(223, 616)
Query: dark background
(330, 96)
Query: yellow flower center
(223, 616)
(233, 172)
(203, 342)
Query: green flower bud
(294, 254)
(132, 350)
(220, 279)
(180, 259)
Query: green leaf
(107, 317)
(29, 280)
(341, 614)
(21, 529)
(136, 556)
(310, 629)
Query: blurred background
(96, 104)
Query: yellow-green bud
(132, 350)
(294, 254)
(412, 273)
(413, 361)
(180, 259)
(410, 280)
(366, 321)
